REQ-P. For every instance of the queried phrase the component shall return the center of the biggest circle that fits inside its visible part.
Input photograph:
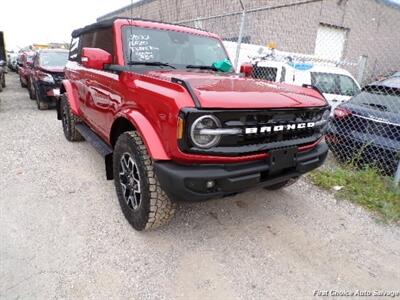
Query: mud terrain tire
(145, 205)
(69, 121)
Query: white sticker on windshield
(140, 48)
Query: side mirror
(95, 58)
(246, 69)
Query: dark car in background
(46, 76)
(395, 74)
(3, 63)
(12, 61)
(25, 63)
(3, 71)
(366, 129)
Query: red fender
(73, 96)
(148, 134)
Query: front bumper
(189, 182)
(50, 91)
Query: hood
(216, 90)
(391, 117)
(53, 69)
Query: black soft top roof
(109, 22)
(92, 27)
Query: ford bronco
(173, 121)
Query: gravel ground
(63, 234)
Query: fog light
(210, 184)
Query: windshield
(337, 84)
(29, 58)
(383, 99)
(53, 59)
(171, 47)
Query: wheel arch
(119, 126)
(134, 120)
(66, 88)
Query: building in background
(364, 34)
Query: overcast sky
(41, 21)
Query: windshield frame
(125, 30)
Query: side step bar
(103, 148)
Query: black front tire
(32, 91)
(41, 104)
(69, 120)
(151, 206)
(3, 81)
(20, 80)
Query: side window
(325, 82)
(87, 40)
(74, 49)
(103, 39)
(348, 86)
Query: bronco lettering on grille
(277, 128)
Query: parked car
(3, 71)
(160, 103)
(395, 74)
(25, 64)
(386, 75)
(367, 128)
(336, 84)
(46, 76)
(3, 63)
(12, 61)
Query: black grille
(271, 118)
(252, 143)
(58, 77)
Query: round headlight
(203, 140)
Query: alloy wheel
(64, 119)
(129, 179)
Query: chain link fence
(348, 49)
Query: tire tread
(161, 208)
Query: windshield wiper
(202, 67)
(150, 63)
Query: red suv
(46, 76)
(25, 63)
(161, 103)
